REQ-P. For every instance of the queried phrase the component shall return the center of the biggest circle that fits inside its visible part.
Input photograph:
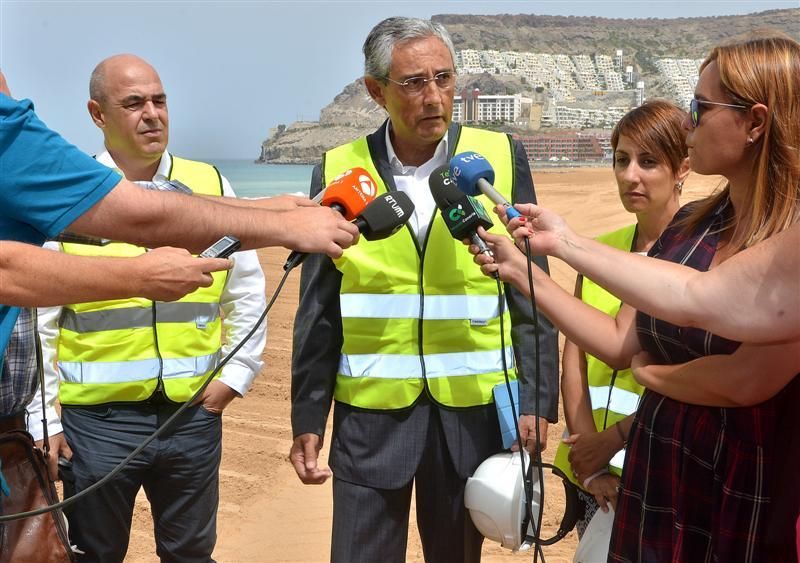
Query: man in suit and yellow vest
(404, 334)
(126, 365)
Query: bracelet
(593, 476)
(621, 435)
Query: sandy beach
(266, 514)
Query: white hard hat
(495, 497)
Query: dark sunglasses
(694, 108)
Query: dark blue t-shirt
(45, 185)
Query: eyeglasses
(694, 108)
(414, 85)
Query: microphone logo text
(395, 206)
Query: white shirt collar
(162, 172)
(399, 169)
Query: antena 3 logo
(367, 185)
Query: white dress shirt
(242, 302)
(413, 180)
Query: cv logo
(457, 213)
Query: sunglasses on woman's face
(695, 104)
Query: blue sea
(256, 180)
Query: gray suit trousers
(370, 524)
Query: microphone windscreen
(385, 215)
(467, 168)
(444, 192)
(464, 216)
(351, 191)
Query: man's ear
(96, 113)
(375, 90)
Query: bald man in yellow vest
(127, 365)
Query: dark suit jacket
(383, 449)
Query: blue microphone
(473, 175)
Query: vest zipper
(160, 384)
(420, 320)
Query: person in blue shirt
(48, 186)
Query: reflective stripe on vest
(119, 350)
(405, 366)
(138, 370)
(412, 320)
(623, 398)
(138, 317)
(619, 401)
(372, 306)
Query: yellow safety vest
(122, 350)
(614, 394)
(414, 317)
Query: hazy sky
(234, 69)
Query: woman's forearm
(762, 281)
(751, 375)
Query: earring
(679, 187)
(749, 140)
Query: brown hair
(656, 125)
(764, 70)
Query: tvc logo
(457, 213)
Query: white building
(480, 108)
(680, 75)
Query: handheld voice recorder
(223, 248)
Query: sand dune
(265, 513)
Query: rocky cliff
(352, 113)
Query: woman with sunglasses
(650, 165)
(702, 482)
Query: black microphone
(381, 218)
(462, 214)
(385, 215)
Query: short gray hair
(381, 40)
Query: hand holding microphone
(349, 193)
(474, 175)
(380, 218)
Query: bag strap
(40, 375)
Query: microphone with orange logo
(348, 193)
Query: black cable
(526, 473)
(160, 430)
(538, 453)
